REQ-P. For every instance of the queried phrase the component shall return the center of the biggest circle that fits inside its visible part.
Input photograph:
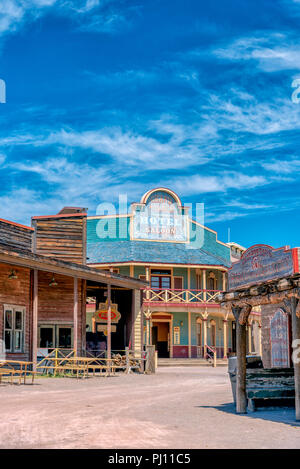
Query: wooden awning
(23, 258)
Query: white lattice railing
(153, 295)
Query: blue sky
(107, 97)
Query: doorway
(161, 338)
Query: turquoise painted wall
(184, 330)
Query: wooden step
(190, 362)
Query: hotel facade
(186, 267)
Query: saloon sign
(160, 219)
(261, 263)
(101, 314)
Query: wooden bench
(18, 374)
(273, 385)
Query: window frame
(14, 309)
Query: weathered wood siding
(268, 312)
(16, 292)
(56, 303)
(15, 235)
(62, 237)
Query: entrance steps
(190, 362)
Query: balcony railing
(155, 295)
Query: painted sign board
(280, 349)
(261, 263)
(101, 314)
(160, 219)
(176, 335)
(103, 328)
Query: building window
(14, 319)
(55, 336)
(212, 282)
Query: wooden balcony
(173, 297)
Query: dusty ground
(176, 408)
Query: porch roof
(24, 258)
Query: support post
(241, 315)
(225, 345)
(296, 360)
(204, 336)
(108, 351)
(35, 319)
(190, 334)
(127, 360)
(224, 281)
(75, 317)
(249, 337)
(241, 400)
(204, 285)
(259, 340)
(150, 363)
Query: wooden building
(269, 279)
(43, 286)
(186, 266)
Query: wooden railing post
(127, 360)
(150, 362)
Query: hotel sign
(261, 263)
(160, 219)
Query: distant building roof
(146, 251)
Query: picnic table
(16, 368)
(80, 365)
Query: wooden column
(224, 281)
(204, 320)
(204, 284)
(249, 337)
(241, 316)
(225, 333)
(75, 316)
(35, 318)
(190, 334)
(189, 317)
(259, 340)
(108, 351)
(296, 338)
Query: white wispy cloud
(88, 15)
(198, 184)
(272, 52)
(282, 166)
